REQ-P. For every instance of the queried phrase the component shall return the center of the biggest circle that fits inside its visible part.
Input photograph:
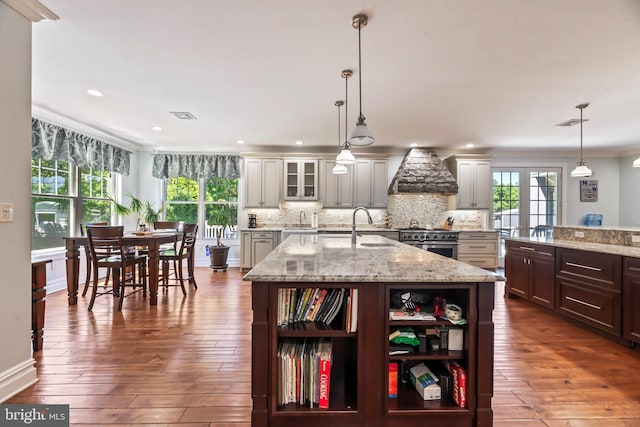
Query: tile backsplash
(430, 210)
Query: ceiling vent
(422, 172)
(183, 115)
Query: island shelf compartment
(408, 400)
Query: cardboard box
(425, 382)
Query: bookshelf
(360, 358)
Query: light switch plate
(579, 234)
(6, 212)
(635, 238)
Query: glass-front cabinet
(300, 179)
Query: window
(62, 196)
(51, 202)
(95, 187)
(213, 204)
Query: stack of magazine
(304, 372)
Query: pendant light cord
(346, 110)
(581, 108)
(360, 67)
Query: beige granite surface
(585, 246)
(624, 236)
(326, 258)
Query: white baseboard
(16, 379)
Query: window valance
(52, 142)
(195, 166)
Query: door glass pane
(543, 189)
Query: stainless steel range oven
(441, 242)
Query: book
(303, 304)
(313, 298)
(324, 375)
(353, 312)
(317, 305)
(337, 305)
(393, 379)
(396, 314)
(459, 383)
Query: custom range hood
(422, 172)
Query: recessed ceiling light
(470, 145)
(240, 141)
(299, 142)
(413, 144)
(183, 115)
(156, 128)
(94, 92)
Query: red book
(393, 379)
(325, 376)
(459, 384)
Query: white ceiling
(441, 73)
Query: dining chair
(175, 256)
(108, 251)
(87, 280)
(169, 226)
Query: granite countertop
(585, 246)
(326, 258)
(345, 228)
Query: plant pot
(218, 257)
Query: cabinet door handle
(527, 248)
(597, 307)
(477, 247)
(587, 267)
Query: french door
(526, 202)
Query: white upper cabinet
(262, 182)
(474, 182)
(336, 190)
(300, 180)
(370, 178)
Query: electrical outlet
(6, 212)
(635, 238)
(579, 234)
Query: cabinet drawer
(530, 248)
(262, 235)
(479, 246)
(632, 265)
(591, 267)
(478, 235)
(596, 307)
(482, 261)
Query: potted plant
(145, 212)
(223, 217)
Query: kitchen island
(371, 276)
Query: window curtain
(194, 166)
(52, 142)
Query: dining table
(150, 240)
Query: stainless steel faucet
(302, 214)
(353, 223)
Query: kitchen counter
(315, 258)
(585, 246)
(321, 229)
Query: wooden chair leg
(87, 280)
(94, 289)
(179, 271)
(119, 279)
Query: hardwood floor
(186, 362)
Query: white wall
(606, 171)
(629, 192)
(16, 364)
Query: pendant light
(338, 168)
(361, 135)
(636, 163)
(581, 170)
(345, 157)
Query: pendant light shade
(339, 169)
(361, 136)
(636, 163)
(581, 170)
(345, 157)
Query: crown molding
(33, 10)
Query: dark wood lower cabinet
(530, 270)
(631, 300)
(359, 384)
